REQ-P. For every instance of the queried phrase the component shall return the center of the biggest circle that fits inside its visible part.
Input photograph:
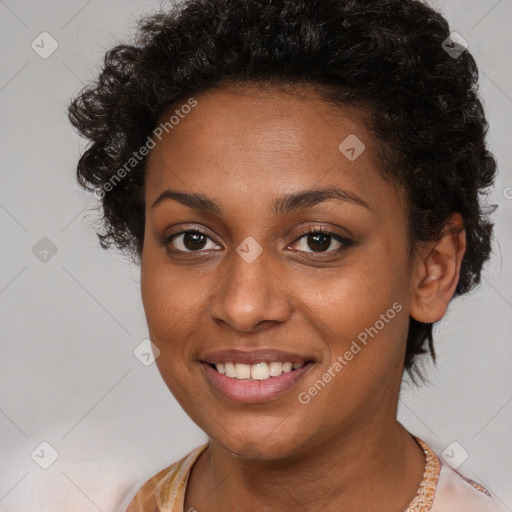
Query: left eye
(320, 241)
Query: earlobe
(437, 272)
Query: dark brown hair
(388, 56)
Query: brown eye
(188, 241)
(318, 241)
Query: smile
(258, 371)
(258, 378)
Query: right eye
(192, 240)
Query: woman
(301, 182)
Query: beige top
(441, 490)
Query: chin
(256, 444)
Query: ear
(436, 272)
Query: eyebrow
(282, 205)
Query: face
(267, 244)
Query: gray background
(69, 325)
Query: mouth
(256, 372)
(254, 377)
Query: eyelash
(345, 242)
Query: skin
(344, 450)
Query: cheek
(171, 302)
(365, 301)
(362, 320)
(171, 308)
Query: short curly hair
(389, 58)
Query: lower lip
(254, 391)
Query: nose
(250, 295)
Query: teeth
(242, 371)
(258, 371)
(230, 370)
(287, 367)
(275, 368)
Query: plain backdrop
(71, 314)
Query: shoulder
(164, 489)
(455, 492)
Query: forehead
(255, 141)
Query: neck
(370, 469)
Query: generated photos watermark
(343, 360)
(143, 151)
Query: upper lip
(253, 356)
